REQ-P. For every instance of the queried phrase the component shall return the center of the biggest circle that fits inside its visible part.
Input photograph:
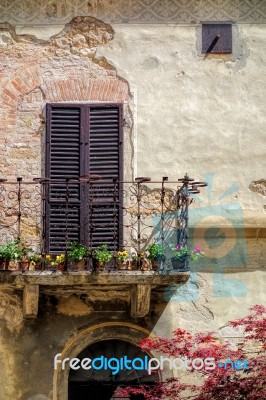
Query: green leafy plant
(156, 251)
(181, 252)
(2, 253)
(77, 251)
(10, 251)
(3, 257)
(102, 254)
(17, 250)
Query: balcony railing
(49, 214)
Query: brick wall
(34, 72)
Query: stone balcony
(138, 284)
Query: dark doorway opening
(98, 391)
(102, 384)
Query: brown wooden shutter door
(105, 159)
(83, 139)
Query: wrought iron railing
(48, 214)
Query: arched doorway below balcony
(103, 384)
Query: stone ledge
(49, 278)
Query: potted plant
(3, 261)
(10, 255)
(121, 258)
(77, 254)
(140, 261)
(25, 255)
(60, 262)
(156, 255)
(181, 255)
(36, 261)
(52, 262)
(100, 256)
(17, 254)
(196, 253)
(133, 263)
(48, 260)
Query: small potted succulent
(100, 256)
(156, 255)
(181, 255)
(121, 259)
(77, 254)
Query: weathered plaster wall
(193, 114)
(27, 351)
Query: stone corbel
(30, 301)
(140, 300)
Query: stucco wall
(193, 114)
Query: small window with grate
(83, 159)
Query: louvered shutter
(83, 139)
(63, 154)
(105, 159)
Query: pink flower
(179, 246)
(197, 249)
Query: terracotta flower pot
(3, 264)
(122, 265)
(60, 267)
(132, 265)
(38, 265)
(24, 265)
(145, 265)
(155, 264)
(13, 265)
(98, 265)
(80, 264)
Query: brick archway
(80, 88)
